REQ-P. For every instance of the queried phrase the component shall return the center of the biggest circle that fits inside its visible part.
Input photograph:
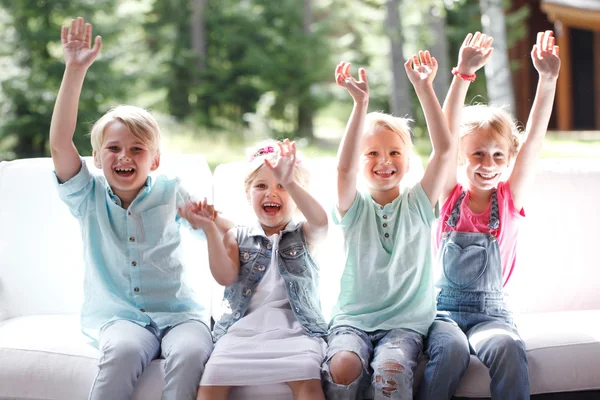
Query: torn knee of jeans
(386, 380)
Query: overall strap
(494, 221)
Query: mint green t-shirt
(387, 282)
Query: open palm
(77, 42)
(358, 89)
(421, 68)
(474, 53)
(545, 55)
(283, 168)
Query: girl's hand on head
(421, 69)
(545, 55)
(283, 169)
(474, 53)
(359, 90)
(76, 43)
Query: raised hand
(358, 89)
(283, 169)
(545, 55)
(76, 43)
(474, 53)
(421, 69)
(200, 215)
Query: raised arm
(78, 56)
(474, 53)
(315, 227)
(349, 150)
(421, 71)
(545, 57)
(223, 252)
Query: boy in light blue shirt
(136, 304)
(386, 302)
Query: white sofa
(43, 355)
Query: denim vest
(297, 268)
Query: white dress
(268, 345)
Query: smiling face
(486, 157)
(271, 203)
(125, 160)
(384, 161)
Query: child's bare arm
(223, 255)
(421, 71)
(545, 57)
(474, 53)
(316, 224)
(78, 56)
(349, 150)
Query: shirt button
(247, 292)
(269, 245)
(131, 239)
(261, 267)
(142, 309)
(116, 202)
(237, 315)
(292, 252)
(128, 212)
(387, 235)
(297, 310)
(133, 263)
(385, 217)
(137, 289)
(385, 225)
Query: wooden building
(576, 24)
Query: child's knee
(393, 378)
(345, 367)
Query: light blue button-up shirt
(132, 257)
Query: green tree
(29, 93)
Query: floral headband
(264, 151)
(261, 152)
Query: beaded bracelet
(464, 77)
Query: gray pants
(127, 348)
(388, 359)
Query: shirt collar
(147, 186)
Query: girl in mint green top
(386, 302)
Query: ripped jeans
(388, 359)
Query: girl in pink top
(477, 234)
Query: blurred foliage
(267, 69)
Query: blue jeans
(376, 350)
(493, 340)
(127, 348)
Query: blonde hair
(398, 125)
(480, 117)
(139, 121)
(269, 150)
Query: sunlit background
(219, 74)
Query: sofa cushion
(47, 357)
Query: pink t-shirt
(471, 222)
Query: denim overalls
(296, 267)
(471, 301)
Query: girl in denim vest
(273, 329)
(477, 233)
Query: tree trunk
(305, 107)
(497, 70)
(439, 49)
(400, 99)
(199, 32)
